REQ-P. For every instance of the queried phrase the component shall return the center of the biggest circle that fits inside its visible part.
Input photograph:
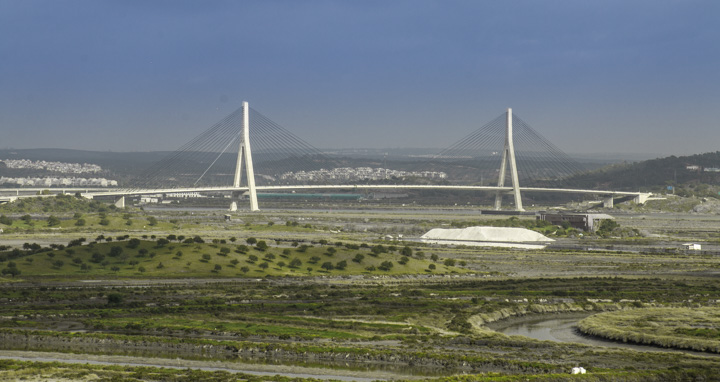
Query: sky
(139, 75)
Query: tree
(378, 249)
(358, 258)
(331, 251)
(11, 271)
(80, 222)
(152, 220)
(133, 243)
(52, 221)
(105, 221)
(244, 269)
(295, 263)
(431, 266)
(161, 242)
(97, 257)
(5, 220)
(171, 237)
(181, 238)
(206, 257)
(116, 251)
(404, 260)
(406, 251)
(449, 262)
(218, 268)
(327, 266)
(434, 257)
(261, 245)
(264, 265)
(242, 248)
(341, 265)
(251, 240)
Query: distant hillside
(654, 174)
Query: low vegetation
(681, 328)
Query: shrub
(295, 263)
(341, 265)
(116, 251)
(133, 243)
(449, 262)
(385, 266)
(114, 298)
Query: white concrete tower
(244, 152)
(508, 155)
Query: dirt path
(233, 367)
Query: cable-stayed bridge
(246, 152)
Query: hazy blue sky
(592, 76)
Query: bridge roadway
(119, 192)
(640, 197)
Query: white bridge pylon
(245, 153)
(508, 157)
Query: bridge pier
(120, 202)
(609, 202)
(245, 153)
(642, 198)
(508, 157)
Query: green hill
(657, 174)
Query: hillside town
(62, 167)
(56, 182)
(359, 173)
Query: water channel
(562, 328)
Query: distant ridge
(654, 173)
